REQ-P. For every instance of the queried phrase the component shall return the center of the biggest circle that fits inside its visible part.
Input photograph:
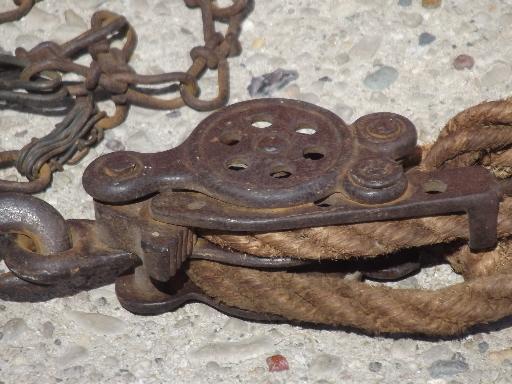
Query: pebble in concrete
(499, 72)
(115, 145)
(325, 364)
(381, 78)
(226, 352)
(47, 329)
(431, 3)
(268, 83)
(366, 48)
(72, 354)
(14, 329)
(483, 346)
(97, 323)
(277, 363)
(411, 20)
(375, 366)
(426, 38)
(454, 366)
(463, 62)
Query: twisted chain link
(35, 78)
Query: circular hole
(306, 131)
(313, 153)
(280, 171)
(237, 165)
(261, 124)
(25, 242)
(281, 174)
(434, 186)
(230, 138)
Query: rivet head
(376, 173)
(387, 133)
(121, 167)
(375, 180)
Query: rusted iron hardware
(22, 8)
(34, 79)
(261, 165)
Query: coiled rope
(480, 135)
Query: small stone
(426, 38)
(430, 3)
(184, 322)
(14, 329)
(499, 73)
(324, 363)
(72, 18)
(501, 356)
(268, 83)
(47, 329)
(277, 363)
(236, 326)
(101, 301)
(159, 360)
(95, 322)
(344, 111)
(2, 307)
(173, 114)
(450, 367)
(258, 43)
(233, 352)
(366, 48)
(72, 354)
(405, 3)
(214, 367)
(381, 78)
(411, 20)
(463, 62)
(403, 349)
(126, 376)
(375, 366)
(140, 141)
(21, 133)
(342, 58)
(437, 352)
(483, 347)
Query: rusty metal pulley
(242, 163)
(261, 165)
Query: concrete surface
(353, 57)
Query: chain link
(35, 78)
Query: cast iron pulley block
(277, 164)
(256, 166)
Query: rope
(479, 135)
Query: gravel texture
(353, 57)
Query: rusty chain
(34, 78)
